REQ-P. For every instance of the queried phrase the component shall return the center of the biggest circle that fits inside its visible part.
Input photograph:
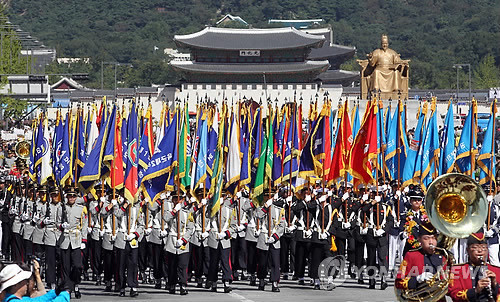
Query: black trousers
(269, 259)
(341, 246)
(51, 263)
(301, 254)
(287, 254)
(252, 255)
(224, 257)
(201, 260)
(28, 250)
(18, 248)
(6, 239)
(95, 256)
(129, 258)
(177, 268)
(85, 258)
(239, 253)
(359, 257)
(144, 255)
(108, 264)
(158, 261)
(377, 256)
(318, 253)
(71, 267)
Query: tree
(486, 74)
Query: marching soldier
(94, 237)
(130, 232)
(5, 198)
(397, 201)
(252, 233)
(72, 222)
(222, 225)
(39, 208)
(28, 226)
(238, 242)
(180, 229)
(287, 241)
(272, 217)
(51, 236)
(154, 233)
(303, 234)
(17, 224)
(199, 243)
(491, 228)
(107, 232)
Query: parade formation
(248, 192)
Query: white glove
(489, 233)
(114, 202)
(65, 225)
(163, 233)
(178, 243)
(315, 192)
(424, 277)
(365, 197)
(238, 194)
(147, 231)
(101, 233)
(289, 199)
(113, 238)
(89, 230)
(47, 221)
(271, 240)
(204, 202)
(396, 224)
(308, 233)
(330, 193)
(489, 198)
(288, 230)
(192, 199)
(406, 189)
(363, 231)
(405, 235)
(379, 233)
(322, 198)
(346, 225)
(36, 216)
(167, 194)
(293, 228)
(323, 236)
(268, 203)
(378, 198)
(345, 196)
(82, 246)
(129, 237)
(276, 196)
(308, 198)
(121, 199)
(257, 233)
(221, 235)
(241, 228)
(177, 207)
(398, 193)
(384, 187)
(204, 235)
(103, 199)
(163, 196)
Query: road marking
(240, 297)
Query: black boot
(208, 284)
(227, 287)
(183, 290)
(214, 286)
(78, 295)
(199, 282)
(372, 283)
(262, 284)
(171, 289)
(134, 292)
(275, 288)
(383, 284)
(108, 287)
(122, 293)
(158, 283)
(243, 276)
(253, 281)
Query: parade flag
(146, 146)
(396, 141)
(448, 151)
(245, 146)
(233, 162)
(201, 161)
(279, 137)
(195, 144)
(31, 166)
(256, 141)
(184, 151)
(218, 176)
(65, 159)
(486, 160)
(260, 175)
(415, 143)
(467, 147)
(270, 145)
(430, 150)
(116, 170)
(343, 144)
(124, 137)
(132, 159)
(211, 149)
(381, 143)
(364, 148)
(92, 133)
(81, 155)
(292, 149)
(162, 163)
(57, 146)
(43, 153)
(355, 122)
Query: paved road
(290, 291)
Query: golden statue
(384, 73)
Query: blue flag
(64, 155)
(245, 148)
(200, 175)
(448, 151)
(416, 142)
(430, 150)
(467, 142)
(486, 160)
(290, 163)
(279, 136)
(58, 139)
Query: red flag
(299, 127)
(117, 177)
(327, 142)
(343, 145)
(364, 150)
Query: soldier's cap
(394, 183)
(476, 238)
(2, 180)
(350, 185)
(426, 228)
(361, 187)
(415, 194)
(53, 190)
(71, 191)
(42, 189)
(486, 187)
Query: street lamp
(111, 63)
(457, 66)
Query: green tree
(486, 74)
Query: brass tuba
(456, 206)
(23, 149)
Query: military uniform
(238, 242)
(251, 235)
(28, 227)
(180, 223)
(73, 225)
(287, 241)
(94, 239)
(17, 228)
(303, 235)
(272, 227)
(199, 243)
(155, 238)
(50, 239)
(108, 236)
(5, 198)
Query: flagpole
(294, 119)
(490, 172)
(472, 158)
(178, 183)
(76, 137)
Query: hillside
(434, 34)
